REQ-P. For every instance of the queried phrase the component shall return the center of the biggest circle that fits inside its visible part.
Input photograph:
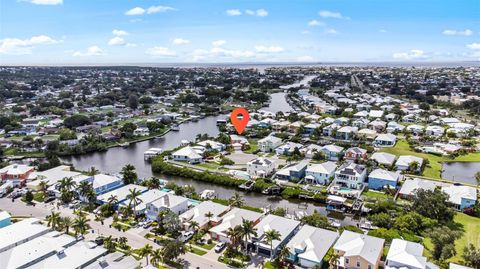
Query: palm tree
(84, 187)
(133, 198)
(270, 236)
(194, 225)
(236, 200)
(234, 235)
(334, 259)
(93, 171)
(53, 219)
(283, 253)
(145, 251)
(248, 229)
(156, 257)
(67, 223)
(153, 183)
(66, 186)
(110, 244)
(209, 216)
(122, 241)
(80, 225)
(43, 185)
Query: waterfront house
(356, 154)
(141, 131)
(358, 251)
(461, 197)
(269, 143)
(405, 162)
(260, 167)
(351, 175)
(310, 245)
(383, 158)
(385, 140)
(406, 254)
(121, 193)
(187, 154)
(18, 174)
(211, 145)
(231, 219)
(103, 183)
(162, 201)
(286, 228)
(410, 187)
(293, 172)
(199, 212)
(321, 173)
(380, 178)
(333, 152)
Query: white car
(220, 246)
(187, 236)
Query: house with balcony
(351, 175)
(333, 152)
(320, 173)
(269, 143)
(260, 167)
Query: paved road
(134, 236)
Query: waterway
(460, 172)
(112, 161)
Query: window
(369, 266)
(358, 263)
(347, 260)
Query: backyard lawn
(434, 168)
(471, 226)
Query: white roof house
(366, 247)
(383, 158)
(311, 244)
(385, 140)
(405, 254)
(404, 161)
(16, 169)
(19, 232)
(52, 176)
(198, 212)
(214, 145)
(410, 186)
(187, 154)
(146, 197)
(231, 219)
(116, 260)
(458, 266)
(284, 226)
(461, 196)
(121, 193)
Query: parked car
(74, 204)
(186, 236)
(147, 225)
(99, 240)
(48, 199)
(220, 246)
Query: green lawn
(205, 246)
(38, 196)
(253, 146)
(376, 195)
(434, 168)
(197, 251)
(471, 226)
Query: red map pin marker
(241, 123)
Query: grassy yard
(471, 226)
(434, 168)
(253, 146)
(38, 196)
(197, 251)
(205, 246)
(376, 195)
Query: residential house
(356, 154)
(18, 174)
(296, 171)
(310, 128)
(141, 131)
(211, 145)
(288, 148)
(234, 217)
(199, 212)
(385, 140)
(435, 131)
(164, 201)
(321, 173)
(378, 125)
(269, 143)
(461, 197)
(351, 175)
(103, 183)
(120, 193)
(367, 134)
(310, 245)
(346, 133)
(406, 254)
(405, 161)
(380, 178)
(187, 154)
(260, 167)
(410, 187)
(310, 150)
(358, 250)
(333, 152)
(286, 228)
(383, 158)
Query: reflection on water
(463, 172)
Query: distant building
(187, 154)
(16, 173)
(406, 254)
(269, 143)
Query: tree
(153, 183)
(93, 171)
(67, 223)
(443, 240)
(383, 220)
(146, 251)
(270, 236)
(193, 225)
(236, 200)
(29, 197)
(76, 121)
(413, 166)
(209, 216)
(248, 229)
(133, 198)
(110, 244)
(433, 204)
(156, 257)
(477, 177)
(334, 259)
(66, 187)
(122, 241)
(172, 250)
(283, 253)
(235, 235)
(80, 225)
(53, 219)
(133, 101)
(43, 186)
(471, 256)
(129, 174)
(317, 220)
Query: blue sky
(153, 31)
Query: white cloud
(119, 32)
(24, 46)
(414, 54)
(218, 43)
(466, 32)
(116, 41)
(45, 2)
(271, 49)
(135, 11)
(151, 10)
(218, 52)
(331, 31)
(159, 9)
(261, 12)
(316, 23)
(474, 46)
(233, 12)
(160, 52)
(332, 14)
(91, 51)
(180, 41)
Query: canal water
(460, 172)
(112, 161)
